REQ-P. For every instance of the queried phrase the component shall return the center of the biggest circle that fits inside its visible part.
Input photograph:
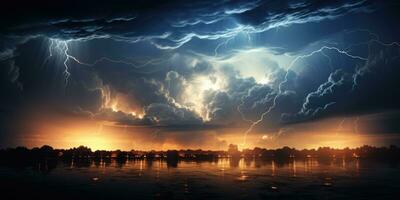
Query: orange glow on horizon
(68, 132)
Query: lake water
(222, 179)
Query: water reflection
(293, 166)
(184, 179)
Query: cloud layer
(204, 65)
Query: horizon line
(20, 146)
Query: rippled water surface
(222, 179)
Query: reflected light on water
(188, 179)
(272, 168)
(294, 168)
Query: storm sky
(199, 74)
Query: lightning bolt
(66, 72)
(224, 43)
(280, 92)
(240, 111)
(376, 39)
(228, 39)
(345, 52)
(51, 46)
(62, 47)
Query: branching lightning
(224, 43)
(376, 39)
(280, 92)
(62, 47)
(240, 112)
(51, 46)
(321, 51)
(66, 72)
(233, 36)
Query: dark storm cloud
(35, 79)
(321, 84)
(175, 83)
(122, 118)
(222, 105)
(172, 115)
(165, 24)
(154, 93)
(326, 82)
(9, 84)
(256, 101)
(385, 122)
(369, 88)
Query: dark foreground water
(222, 179)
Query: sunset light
(200, 99)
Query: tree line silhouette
(47, 157)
